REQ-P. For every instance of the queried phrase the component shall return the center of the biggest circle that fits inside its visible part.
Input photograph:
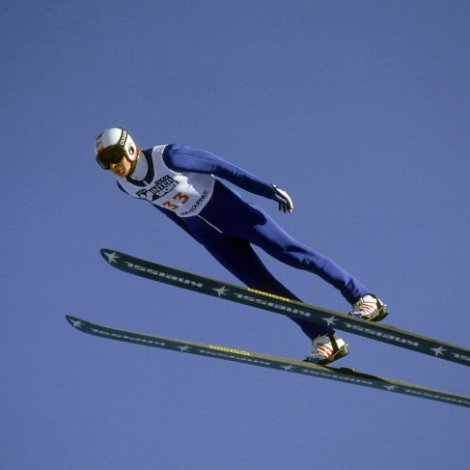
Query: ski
(272, 362)
(299, 310)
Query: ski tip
(110, 256)
(74, 321)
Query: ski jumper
(184, 184)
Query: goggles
(112, 154)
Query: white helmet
(114, 144)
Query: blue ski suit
(228, 227)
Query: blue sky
(360, 109)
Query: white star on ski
(330, 321)
(438, 351)
(184, 348)
(112, 256)
(76, 323)
(221, 291)
(287, 368)
(390, 388)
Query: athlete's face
(122, 169)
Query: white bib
(185, 194)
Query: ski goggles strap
(112, 154)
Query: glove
(285, 202)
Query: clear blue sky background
(359, 108)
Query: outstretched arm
(183, 158)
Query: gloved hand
(285, 202)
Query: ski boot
(369, 307)
(326, 349)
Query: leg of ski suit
(238, 257)
(235, 224)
